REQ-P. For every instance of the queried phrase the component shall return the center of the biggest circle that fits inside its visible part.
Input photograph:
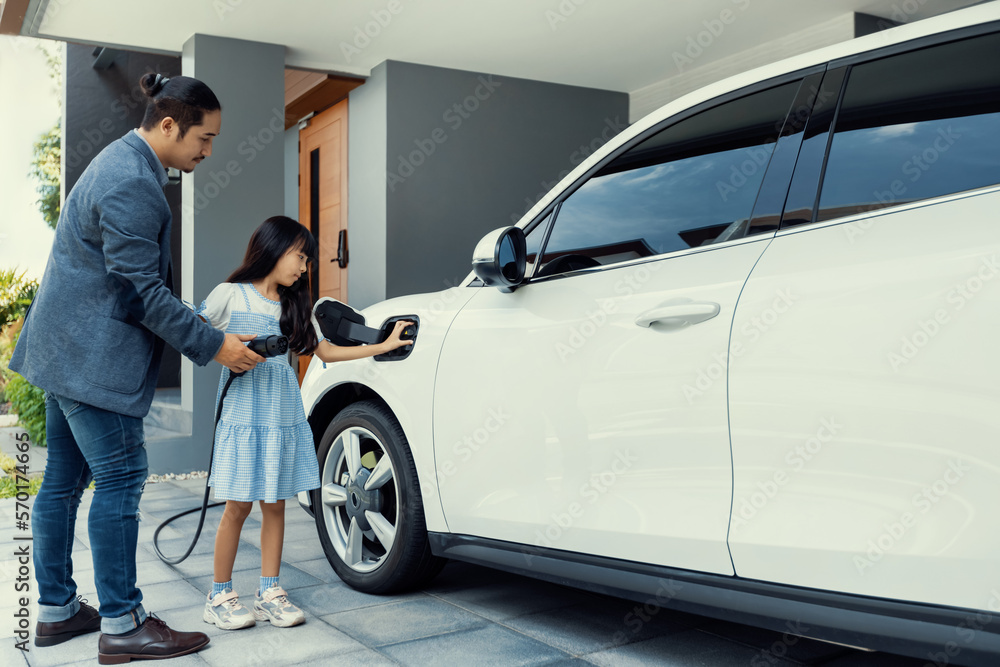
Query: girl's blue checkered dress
(263, 443)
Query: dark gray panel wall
(101, 106)
(467, 153)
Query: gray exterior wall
(467, 153)
(366, 198)
(101, 106)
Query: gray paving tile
(512, 598)
(364, 658)
(10, 626)
(75, 650)
(321, 569)
(339, 597)
(11, 656)
(403, 621)
(178, 546)
(482, 646)
(267, 645)
(172, 595)
(301, 551)
(295, 532)
(147, 529)
(586, 628)
(155, 572)
(690, 648)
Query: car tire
(369, 511)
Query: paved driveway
(468, 615)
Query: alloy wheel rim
(358, 499)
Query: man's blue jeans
(84, 443)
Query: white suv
(742, 361)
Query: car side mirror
(500, 258)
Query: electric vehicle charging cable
(265, 346)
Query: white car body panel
(864, 423)
(561, 423)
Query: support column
(223, 201)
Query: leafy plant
(28, 401)
(8, 486)
(46, 169)
(46, 160)
(16, 295)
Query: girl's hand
(329, 353)
(394, 341)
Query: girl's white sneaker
(225, 611)
(273, 606)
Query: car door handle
(680, 315)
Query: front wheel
(369, 513)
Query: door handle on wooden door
(678, 315)
(342, 253)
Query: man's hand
(236, 356)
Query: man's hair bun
(180, 97)
(152, 83)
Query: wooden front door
(323, 200)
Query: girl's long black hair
(268, 244)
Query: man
(92, 340)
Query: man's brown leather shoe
(152, 640)
(83, 622)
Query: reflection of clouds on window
(645, 175)
(653, 205)
(680, 188)
(893, 131)
(929, 159)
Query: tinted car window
(693, 183)
(533, 242)
(914, 126)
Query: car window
(691, 184)
(914, 126)
(533, 241)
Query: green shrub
(8, 486)
(28, 401)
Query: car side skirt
(941, 635)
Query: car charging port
(409, 333)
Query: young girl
(263, 444)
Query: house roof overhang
(622, 46)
